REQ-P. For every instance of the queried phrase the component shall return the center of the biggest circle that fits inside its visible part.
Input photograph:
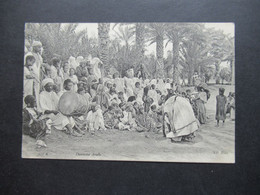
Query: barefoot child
(221, 106)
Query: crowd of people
(128, 103)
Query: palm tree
(125, 34)
(194, 57)
(176, 33)
(140, 41)
(156, 34)
(230, 57)
(103, 38)
(222, 49)
(139, 29)
(57, 39)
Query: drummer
(49, 106)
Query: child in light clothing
(74, 79)
(95, 120)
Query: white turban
(47, 80)
(37, 43)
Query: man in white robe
(49, 106)
(37, 49)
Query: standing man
(37, 68)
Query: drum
(71, 104)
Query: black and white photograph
(154, 92)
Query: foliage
(225, 74)
(57, 39)
(194, 47)
(156, 34)
(209, 73)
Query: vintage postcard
(161, 92)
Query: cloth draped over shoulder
(180, 116)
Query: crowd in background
(129, 103)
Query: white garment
(48, 101)
(162, 87)
(72, 62)
(95, 120)
(120, 84)
(28, 83)
(36, 73)
(181, 116)
(96, 70)
(60, 121)
(129, 84)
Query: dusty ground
(212, 144)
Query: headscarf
(25, 56)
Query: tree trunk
(103, 39)
(139, 39)
(175, 61)
(217, 72)
(159, 55)
(190, 79)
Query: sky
(227, 28)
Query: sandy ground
(212, 144)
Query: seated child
(109, 118)
(113, 97)
(122, 97)
(157, 117)
(124, 119)
(95, 120)
(34, 123)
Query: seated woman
(48, 101)
(34, 123)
